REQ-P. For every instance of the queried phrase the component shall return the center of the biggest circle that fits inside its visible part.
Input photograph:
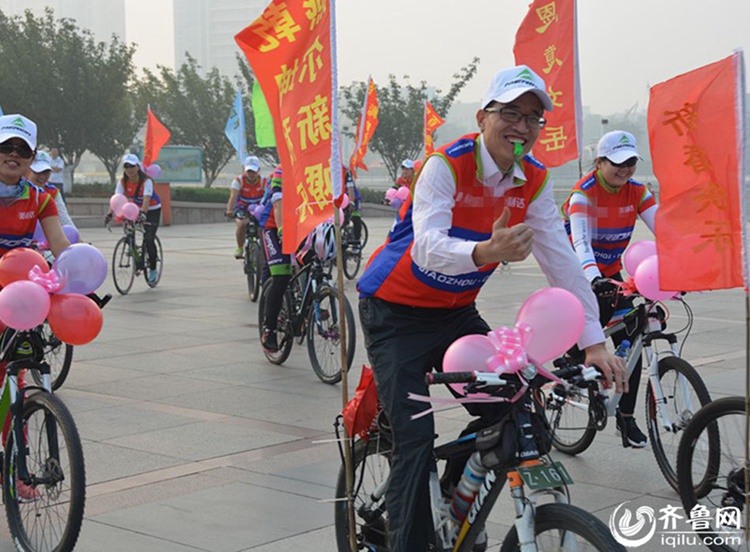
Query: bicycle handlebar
(581, 372)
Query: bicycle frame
(313, 274)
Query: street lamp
(604, 126)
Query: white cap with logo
(509, 84)
(617, 146)
(131, 159)
(18, 126)
(251, 163)
(42, 162)
(407, 164)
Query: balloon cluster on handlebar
(32, 291)
(123, 209)
(642, 263)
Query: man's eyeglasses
(513, 116)
(23, 151)
(627, 163)
(129, 166)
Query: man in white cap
(478, 201)
(22, 204)
(39, 175)
(407, 174)
(600, 215)
(246, 190)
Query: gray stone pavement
(194, 442)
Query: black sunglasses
(628, 163)
(129, 166)
(6, 148)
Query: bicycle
(129, 259)
(352, 248)
(43, 472)
(253, 256)
(712, 472)
(513, 449)
(310, 309)
(675, 391)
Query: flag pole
(336, 176)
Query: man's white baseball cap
(509, 84)
(251, 163)
(617, 146)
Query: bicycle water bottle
(467, 488)
(622, 351)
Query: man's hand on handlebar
(141, 216)
(108, 217)
(612, 367)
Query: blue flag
(235, 129)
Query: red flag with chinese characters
(547, 42)
(695, 132)
(289, 49)
(156, 136)
(365, 131)
(432, 121)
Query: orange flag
(289, 48)
(547, 42)
(432, 121)
(695, 123)
(156, 136)
(365, 131)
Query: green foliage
(372, 196)
(95, 189)
(200, 195)
(401, 114)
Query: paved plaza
(194, 442)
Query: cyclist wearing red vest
(139, 188)
(600, 215)
(21, 203)
(246, 189)
(407, 175)
(477, 201)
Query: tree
(195, 109)
(400, 117)
(73, 87)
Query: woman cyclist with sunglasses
(600, 214)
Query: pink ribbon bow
(50, 281)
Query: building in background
(103, 19)
(206, 28)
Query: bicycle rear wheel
(365, 235)
(566, 527)
(371, 461)
(252, 269)
(159, 263)
(684, 394)
(123, 266)
(58, 355)
(284, 329)
(712, 449)
(571, 420)
(46, 512)
(324, 335)
(352, 261)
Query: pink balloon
(403, 193)
(130, 211)
(637, 253)
(647, 280)
(23, 305)
(468, 354)
(390, 194)
(117, 202)
(154, 171)
(345, 201)
(556, 317)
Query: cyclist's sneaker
(239, 253)
(268, 341)
(26, 493)
(152, 275)
(631, 435)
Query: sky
(624, 46)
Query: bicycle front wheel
(252, 269)
(365, 235)
(284, 328)
(710, 462)
(684, 394)
(58, 355)
(123, 266)
(45, 512)
(324, 335)
(371, 461)
(573, 429)
(159, 263)
(566, 527)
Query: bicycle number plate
(545, 476)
